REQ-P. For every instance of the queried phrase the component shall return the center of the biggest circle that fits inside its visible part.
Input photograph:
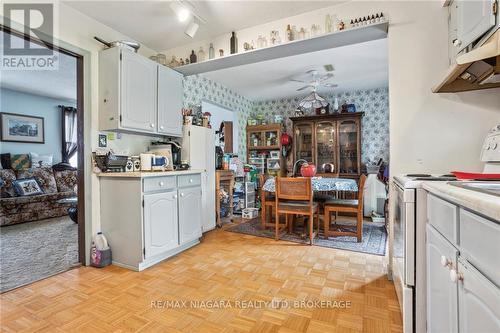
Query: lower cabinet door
(189, 214)
(442, 292)
(478, 301)
(160, 223)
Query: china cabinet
(264, 145)
(331, 142)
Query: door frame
(83, 126)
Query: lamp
(313, 100)
(191, 29)
(181, 11)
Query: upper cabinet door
(170, 95)
(138, 92)
(474, 19)
(160, 223)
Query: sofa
(54, 184)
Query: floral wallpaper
(198, 88)
(374, 103)
(375, 123)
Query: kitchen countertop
(482, 203)
(146, 174)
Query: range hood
(477, 69)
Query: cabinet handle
(190, 180)
(182, 194)
(161, 127)
(457, 42)
(161, 183)
(175, 196)
(152, 125)
(455, 276)
(445, 262)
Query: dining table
(319, 184)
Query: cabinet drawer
(152, 184)
(189, 180)
(444, 217)
(480, 243)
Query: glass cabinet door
(348, 144)
(325, 147)
(303, 142)
(271, 138)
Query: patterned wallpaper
(374, 103)
(375, 123)
(198, 88)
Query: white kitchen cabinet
(479, 301)
(473, 19)
(442, 310)
(189, 214)
(138, 92)
(160, 223)
(138, 95)
(150, 217)
(170, 88)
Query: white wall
(220, 114)
(432, 133)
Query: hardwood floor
(244, 270)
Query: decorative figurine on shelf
(201, 55)
(186, 61)
(299, 113)
(206, 119)
(221, 52)
(336, 105)
(192, 57)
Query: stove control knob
(494, 145)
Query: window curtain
(69, 132)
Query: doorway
(42, 233)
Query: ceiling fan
(313, 100)
(316, 81)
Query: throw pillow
(44, 177)
(20, 161)
(66, 180)
(6, 189)
(27, 187)
(5, 160)
(39, 161)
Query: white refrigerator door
(199, 148)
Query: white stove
(407, 232)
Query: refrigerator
(198, 148)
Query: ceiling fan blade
(304, 87)
(294, 80)
(326, 77)
(330, 85)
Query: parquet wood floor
(224, 267)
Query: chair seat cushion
(297, 205)
(342, 202)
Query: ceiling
(357, 67)
(58, 84)
(155, 25)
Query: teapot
(328, 167)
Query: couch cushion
(20, 161)
(44, 177)
(26, 187)
(41, 161)
(66, 180)
(6, 188)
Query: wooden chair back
(288, 188)
(361, 187)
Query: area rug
(36, 250)
(374, 237)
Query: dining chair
(294, 196)
(267, 200)
(346, 206)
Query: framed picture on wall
(21, 128)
